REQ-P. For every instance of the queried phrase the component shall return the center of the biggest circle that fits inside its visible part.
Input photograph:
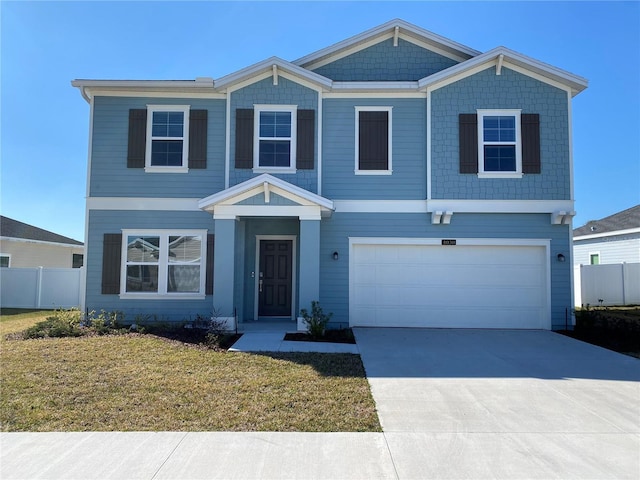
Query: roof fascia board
(41, 242)
(521, 63)
(206, 84)
(377, 34)
(613, 233)
(248, 73)
(239, 189)
(113, 92)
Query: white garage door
(466, 286)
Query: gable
(386, 62)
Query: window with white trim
(373, 140)
(5, 260)
(499, 143)
(275, 138)
(167, 138)
(594, 258)
(163, 263)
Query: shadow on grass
(344, 365)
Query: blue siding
(101, 222)
(110, 176)
(509, 90)
(335, 233)
(285, 93)
(409, 178)
(384, 62)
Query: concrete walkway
(503, 404)
(452, 403)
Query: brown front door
(274, 278)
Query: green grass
(141, 382)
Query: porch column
(224, 269)
(309, 282)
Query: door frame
(293, 239)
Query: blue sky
(45, 45)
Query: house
(398, 177)
(606, 260)
(23, 245)
(613, 239)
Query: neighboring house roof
(625, 221)
(470, 60)
(10, 228)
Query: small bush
(71, 323)
(316, 322)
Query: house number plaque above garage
(448, 241)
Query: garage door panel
(449, 286)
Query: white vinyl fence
(41, 287)
(614, 284)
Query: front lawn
(143, 382)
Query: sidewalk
(194, 455)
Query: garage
(449, 284)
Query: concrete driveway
(503, 404)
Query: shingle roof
(15, 229)
(624, 220)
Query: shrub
(71, 323)
(316, 322)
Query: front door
(274, 278)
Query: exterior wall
(335, 233)
(486, 90)
(285, 93)
(614, 249)
(384, 62)
(103, 221)
(35, 254)
(110, 176)
(408, 180)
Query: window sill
(162, 296)
(274, 170)
(150, 169)
(373, 172)
(499, 175)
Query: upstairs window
(275, 138)
(373, 141)
(499, 146)
(5, 261)
(167, 143)
(499, 143)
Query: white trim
(163, 264)
(40, 242)
(570, 127)
(286, 69)
(319, 143)
(294, 241)
(148, 167)
(451, 205)
(517, 144)
(429, 146)
(83, 280)
(227, 142)
(408, 32)
(288, 190)
(614, 233)
(233, 211)
(513, 60)
(371, 108)
(500, 206)
(143, 203)
(153, 93)
(292, 139)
